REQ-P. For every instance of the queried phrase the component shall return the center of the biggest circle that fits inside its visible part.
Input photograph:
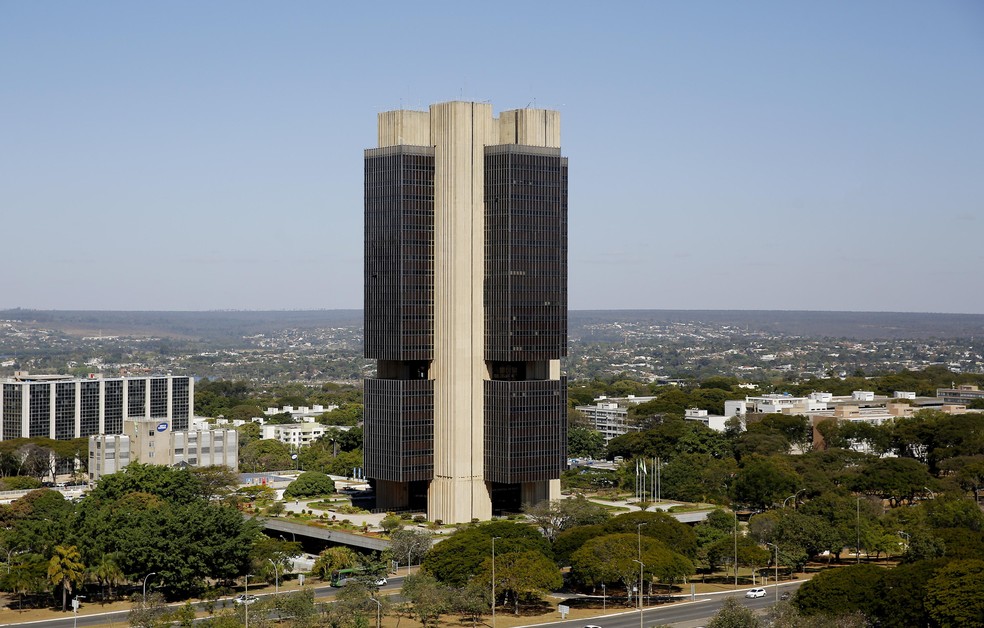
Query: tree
(265, 455)
(429, 598)
(612, 558)
(410, 545)
(523, 576)
(953, 595)
(268, 552)
(472, 601)
(182, 537)
(894, 479)
(657, 525)
(149, 612)
(354, 605)
(569, 541)
(107, 573)
(762, 482)
(27, 575)
(698, 478)
(332, 559)
(310, 484)
(750, 554)
(455, 560)
(901, 596)
(584, 442)
(65, 569)
(553, 517)
(734, 615)
(177, 486)
(391, 523)
(299, 606)
(834, 591)
(215, 480)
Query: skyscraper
(466, 309)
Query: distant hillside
(227, 325)
(220, 325)
(856, 325)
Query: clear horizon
(759, 156)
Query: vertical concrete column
(459, 132)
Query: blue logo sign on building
(162, 426)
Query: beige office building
(152, 441)
(465, 310)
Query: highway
(393, 586)
(690, 613)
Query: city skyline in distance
(762, 156)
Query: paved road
(689, 614)
(392, 587)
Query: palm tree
(108, 573)
(65, 569)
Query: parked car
(757, 592)
(245, 599)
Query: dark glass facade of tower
(399, 429)
(399, 253)
(525, 253)
(525, 430)
(399, 312)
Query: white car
(245, 599)
(755, 593)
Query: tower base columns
(458, 500)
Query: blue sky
(723, 155)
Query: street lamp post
(153, 573)
(792, 497)
(604, 598)
(276, 576)
(246, 600)
(639, 540)
(75, 610)
(857, 549)
(493, 580)
(736, 548)
(777, 569)
(379, 610)
(908, 537)
(641, 567)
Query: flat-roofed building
(153, 441)
(64, 407)
(964, 394)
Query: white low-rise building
(299, 434)
(301, 413)
(609, 416)
(714, 421)
(776, 404)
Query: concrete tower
(466, 310)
